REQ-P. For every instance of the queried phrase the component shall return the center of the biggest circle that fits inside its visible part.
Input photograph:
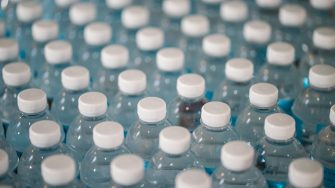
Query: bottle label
(329, 177)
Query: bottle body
(256, 53)
(23, 34)
(163, 85)
(192, 49)
(145, 61)
(89, 57)
(12, 156)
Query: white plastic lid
(32, 101)
(57, 52)
(75, 78)
(322, 76)
(332, 115)
(16, 74)
(65, 3)
(4, 162)
(151, 109)
(97, 34)
(58, 169)
(322, 4)
(149, 38)
(118, 4)
(9, 49)
(44, 134)
(216, 45)
(305, 172)
(279, 126)
(82, 13)
(114, 56)
(269, 4)
(176, 8)
(132, 81)
(257, 31)
(28, 11)
(127, 169)
(234, 11)
(263, 95)
(193, 178)
(135, 17)
(280, 53)
(174, 140)
(237, 156)
(195, 25)
(2, 28)
(215, 114)
(191, 86)
(170, 59)
(108, 135)
(92, 104)
(45, 30)
(239, 70)
(292, 15)
(324, 38)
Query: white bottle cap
(174, 140)
(75, 78)
(92, 104)
(269, 4)
(279, 126)
(149, 38)
(322, 4)
(195, 25)
(58, 51)
(127, 169)
(216, 45)
(322, 76)
(305, 172)
(4, 162)
(58, 170)
(32, 101)
(280, 53)
(2, 28)
(44, 134)
(237, 156)
(9, 49)
(132, 81)
(82, 13)
(114, 56)
(16, 74)
(239, 70)
(193, 178)
(215, 114)
(135, 17)
(292, 15)
(97, 34)
(108, 135)
(176, 8)
(234, 11)
(65, 3)
(332, 115)
(257, 31)
(118, 4)
(263, 95)
(170, 59)
(151, 109)
(28, 11)
(324, 38)
(44, 30)
(191, 86)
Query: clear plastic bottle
(278, 149)
(9, 16)
(93, 110)
(262, 102)
(186, 108)
(193, 178)
(9, 50)
(215, 130)
(237, 168)
(7, 177)
(108, 139)
(235, 86)
(267, 10)
(211, 9)
(12, 156)
(114, 12)
(173, 157)
(321, 13)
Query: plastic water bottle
(75, 81)
(281, 72)
(114, 12)
(267, 10)
(156, 12)
(237, 168)
(13, 159)
(10, 50)
(278, 149)
(186, 108)
(7, 177)
(262, 102)
(211, 9)
(322, 150)
(304, 172)
(235, 86)
(216, 52)
(33, 107)
(45, 138)
(108, 139)
(9, 15)
(132, 84)
(173, 157)
(215, 130)
(321, 13)
(195, 178)
(311, 107)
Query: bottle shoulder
(163, 161)
(204, 135)
(289, 149)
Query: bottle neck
(37, 114)
(283, 142)
(215, 129)
(95, 118)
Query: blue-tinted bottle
(321, 13)
(9, 15)
(267, 10)
(211, 9)
(12, 156)
(193, 178)
(114, 12)
(7, 176)
(10, 52)
(61, 15)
